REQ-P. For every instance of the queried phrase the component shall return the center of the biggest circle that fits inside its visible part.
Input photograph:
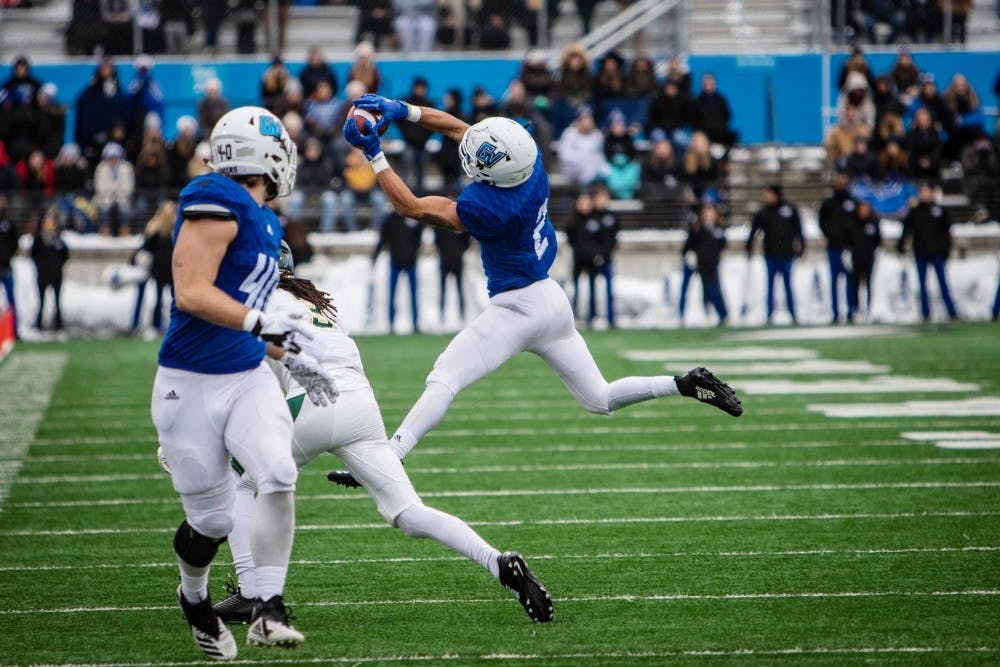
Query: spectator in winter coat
(536, 77)
(211, 107)
(673, 112)
(37, 176)
(967, 121)
(706, 240)
(836, 218)
(581, 150)
(100, 106)
(360, 183)
(713, 114)
(156, 254)
(315, 71)
(364, 69)
(698, 167)
(313, 184)
(322, 111)
(9, 182)
(50, 127)
(519, 107)
(583, 235)
(929, 99)
(448, 159)
(573, 89)
(8, 248)
(659, 175)
(608, 240)
(923, 143)
(905, 75)
(114, 185)
(180, 151)
(375, 20)
(451, 247)
(49, 253)
(272, 87)
(861, 163)
(781, 227)
(21, 89)
(864, 239)
(401, 236)
(609, 85)
(929, 227)
(145, 97)
(856, 95)
(839, 140)
(889, 111)
(415, 137)
(679, 74)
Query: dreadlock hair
(304, 289)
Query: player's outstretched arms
(435, 211)
(428, 117)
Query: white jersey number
(261, 281)
(541, 244)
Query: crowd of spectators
(898, 127)
(888, 21)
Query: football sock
(425, 414)
(194, 582)
(626, 391)
(452, 532)
(240, 539)
(270, 581)
(273, 530)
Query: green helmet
(285, 261)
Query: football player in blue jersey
(214, 396)
(506, 209)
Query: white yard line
(882, 384)
(514, 493)
(819, 333)
(571, 467)
(948, 435)
(601, 658)
(987, 406)
(793, 367)
(700, 355)
(533, 557)
(619, 521)
(27, 380)
(671, 597)
(969, 444)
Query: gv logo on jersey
(488, 154)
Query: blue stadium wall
(789, 85)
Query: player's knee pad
(279, 476)
(194, 548)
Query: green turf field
(667, 533)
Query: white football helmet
(251, 140)
(498, 151)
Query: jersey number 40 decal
(541, 244)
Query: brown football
(362, 116)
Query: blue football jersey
(516, 238)
(248, 273)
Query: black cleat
(210, 634)
(515, 575)
(700, 384)
(343, 478)
(235, 608)
(270, 626)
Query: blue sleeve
(206, 197)
(476, 217)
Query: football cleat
(270, 627)
(210, 634)
(235, 608)
(515, 575)
(343, 478)
(700, 384)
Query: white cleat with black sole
(269, 626)
(210, 633)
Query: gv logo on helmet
(269, 127)
(488, 154)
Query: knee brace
(194, 548)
